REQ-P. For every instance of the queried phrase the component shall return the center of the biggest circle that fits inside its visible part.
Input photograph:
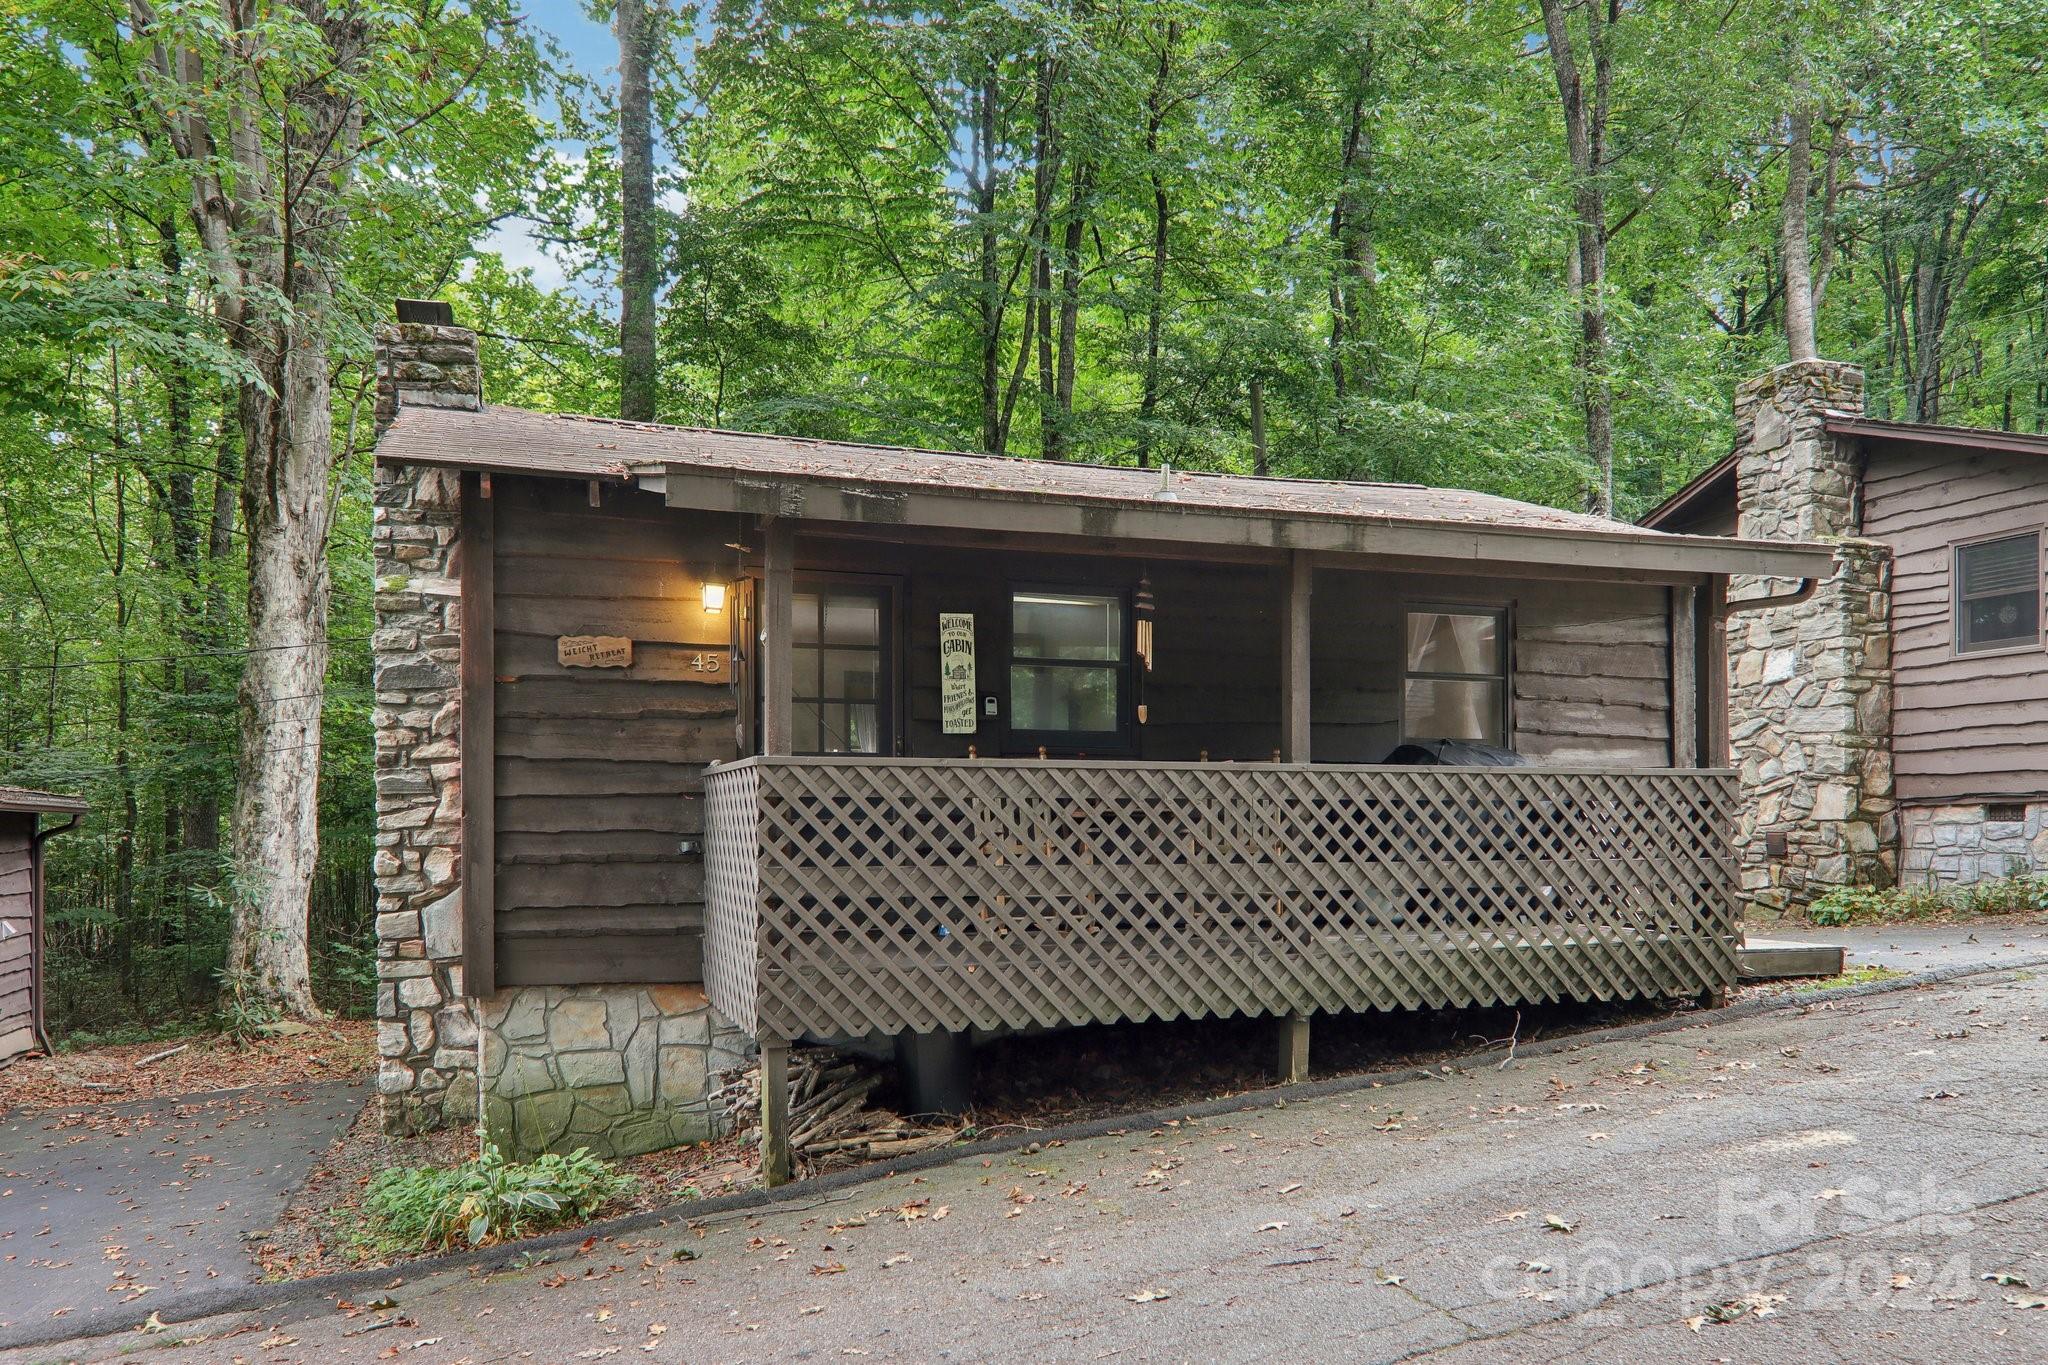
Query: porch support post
(1294, 660)
(1713, 681)
(1291, 1059)
(1685, 682)
(778, 576)
(776, 1166)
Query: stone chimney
(423, 363)
(1810, 685)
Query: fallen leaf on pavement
(1557, 1224)
(1149, 1295)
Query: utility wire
(183, 658)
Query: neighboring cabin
(692, 740)
(1896, 724)
(22, 834)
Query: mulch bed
(335, 1049)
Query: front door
(842, 657)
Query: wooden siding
(17, 907)
(1964, 726)
(1592, 677)
(599, 772)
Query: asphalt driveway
(119, 1203)
(1844, 1179)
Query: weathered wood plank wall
(599, 771)
(17, 904)
(1963, 725)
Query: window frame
(888, 695)
(1118, 743)
(1957, 649)
(1503, 614)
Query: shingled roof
(513, 440)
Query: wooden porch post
(1685, 679)
(1294, 660)
(1291, 1036)
(777, 737)
(1713, 682)
(776, 1166)
(777, 663)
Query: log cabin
(694, 743)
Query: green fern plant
(489, 1198)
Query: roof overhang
(25, 801)
(841, 501)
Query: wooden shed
(21, 912)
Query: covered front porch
(1180, 781)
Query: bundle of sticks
(830, 1117)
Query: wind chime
(1143, 609)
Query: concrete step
(1768, 959)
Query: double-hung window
(1069, 670)
(1998, 593)
(1456, 680)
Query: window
(1068, 660)
(1456, 683)
(839, 655)
(1998, 593)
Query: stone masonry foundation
(618, 1069)
(1972, 842)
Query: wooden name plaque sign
(594, 651)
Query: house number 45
(713, 664)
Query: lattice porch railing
(850, 896)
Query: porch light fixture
(714, 598)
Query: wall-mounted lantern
(714, 598)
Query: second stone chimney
(1810, 685)
(425, 360)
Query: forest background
(1525, 246)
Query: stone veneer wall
(618, 1069)
(1962, 843)
(426, 1032)
(1810, 685)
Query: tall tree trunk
(271, 231)
(1585, 125)
(1081, 187)
(1356, 269)
(990, 303)
(637, 245)
(1799, 305)
(192, 819)
(1162, 221)
(285, 516)
(1045, 175)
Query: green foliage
(488, 1198)
(1367, 212)
(242, 1013)
(1846, 905)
